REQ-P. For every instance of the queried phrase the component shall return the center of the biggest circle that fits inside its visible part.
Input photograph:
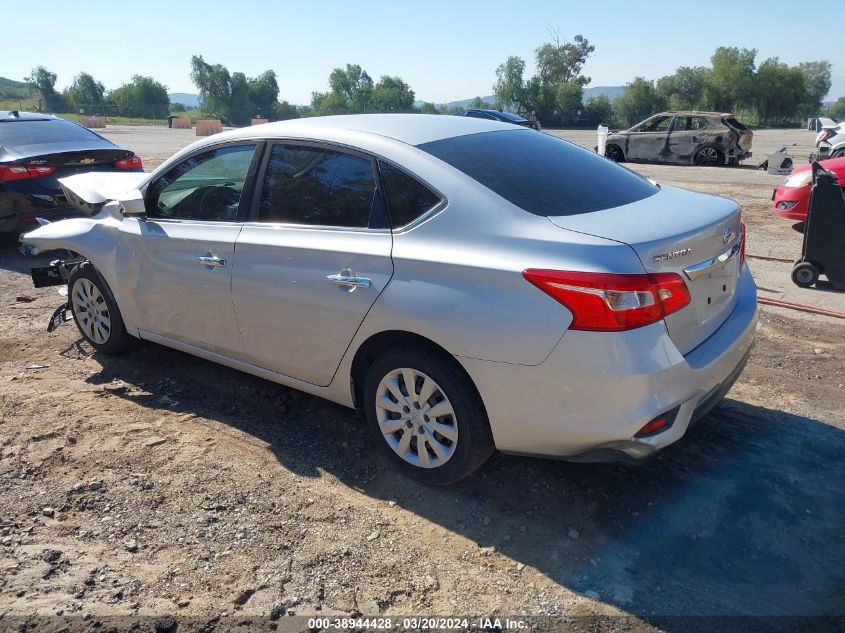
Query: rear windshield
(14, 133)
(736, 124)
(540, 173)
(510, 116)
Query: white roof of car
(413, 129)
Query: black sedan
(35, 151)
(498, 115)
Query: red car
(792, 198)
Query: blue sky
(446, 50)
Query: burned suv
(683, 138)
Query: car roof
(412, 129)
(697, 113)
(15, 115)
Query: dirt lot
(157, 483)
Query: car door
(176, 263)
(312, 260)
(686, 136)
(649, 140)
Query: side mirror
(132, 205)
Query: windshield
(41, 132)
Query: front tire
(426, 416)
(614, 153)
(95, 311)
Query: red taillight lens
(742, 231)
(826, 134)
(606, 302)
(130, 162)
(22, 172)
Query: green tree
(782, 93)
(683, 90)
(239, 105)
(510, 88)
(428, 107)
(215, 85)
(142, 97)
(391, 94)
(263, 93)
(817, 80)
(639, 101)
(730, 83)
(353, 86)
(479, 103)
(562, 63)
(837, 110)
(44, 82)
(568, 101)
(284, 111)
(598, 110)
(84, 92)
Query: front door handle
(347, 278)
(210, 260)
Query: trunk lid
(678, 231)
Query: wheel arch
(377, 343)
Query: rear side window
(21, 133)
(542, 174)
(310, 185)
(407, 198)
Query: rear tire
(805, 274)
(707, 156)
(95, 311)
(438, 449)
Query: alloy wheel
(416, 418)
(707, 156)
(91, 310)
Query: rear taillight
(22, 172)
(130, 162)
(826, 134)
(608, 302)
(742, 231)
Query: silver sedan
(466, 284)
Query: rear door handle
(210, 260)
(346, 278)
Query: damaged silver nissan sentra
(467, 284)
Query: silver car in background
(467, 284)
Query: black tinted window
(207, 186)
(407, 198)
(540, 173)
(14, 133)
(308, 185)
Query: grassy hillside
(11, 89)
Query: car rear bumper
(20, 222)
(595, 391)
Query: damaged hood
(89, 192)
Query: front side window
(207, 186)
(407, 198)
(317, 186)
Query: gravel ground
(156, 483)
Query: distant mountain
(185, 98)
(610, 91)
